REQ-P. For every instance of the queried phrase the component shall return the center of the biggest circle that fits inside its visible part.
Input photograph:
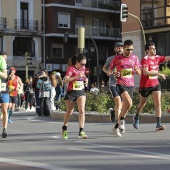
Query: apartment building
(101, 20)
(20, 32)
(155, 18)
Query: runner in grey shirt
(118, 48)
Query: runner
(149, 84)
(127, 64)
(118, 48)
(14, 83)
(77, 80)
(4, 95)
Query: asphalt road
(35, 143)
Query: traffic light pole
(97, 52)
(144, 40)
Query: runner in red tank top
(13, 86)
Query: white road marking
(31, 164)
(145, 154)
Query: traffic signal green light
(123, 12)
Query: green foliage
(102, 101)
(165, 70)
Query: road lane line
(145, 153)
(31, 164)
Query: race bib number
(78, 85)
(126, 73)
(3, 87)
(153, 77)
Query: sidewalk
(104, 118)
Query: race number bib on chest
(78, 85)
(153, 77)
(3, 86)
(126, 73)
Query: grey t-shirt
(112, 80)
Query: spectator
(36, 91)
(29, 94)
(58, 89)
(45, 87)
(53, 91)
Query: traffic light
(65, 39)
(28, 59)
(123, 12)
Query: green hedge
(103, 101)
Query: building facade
(155, 18)
(101, 20)
(20, 32)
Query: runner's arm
(3, 74)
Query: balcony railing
(26, 24)
(2, 22)
(104, 4)
(100, 31)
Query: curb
(105, 118)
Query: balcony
(103, 4)
(100, 31)
(26, 24)
(2, 23)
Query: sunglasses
(129, 49)
(82, 64)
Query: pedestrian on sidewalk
(53, 92)
(149, 84)
(77, 80)
(114, 113)
(126, 64)
(4, 94)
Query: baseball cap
(13, 69)
(39, 72)
(57, 74)
(117, 44)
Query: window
(57, 51)
(24, 16)
(22, 45)
(63, 20)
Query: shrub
(103, 101)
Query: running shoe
(122, 125)
(116, 132)
(159, 127)
(136, 122)
(64, 134)
(4, 133)
(9, 121)
(82, 135)
(112, 114)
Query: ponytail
(74, 58)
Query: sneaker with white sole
(82, 135)
(116, 132)
(159, 127)
(122, 125)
